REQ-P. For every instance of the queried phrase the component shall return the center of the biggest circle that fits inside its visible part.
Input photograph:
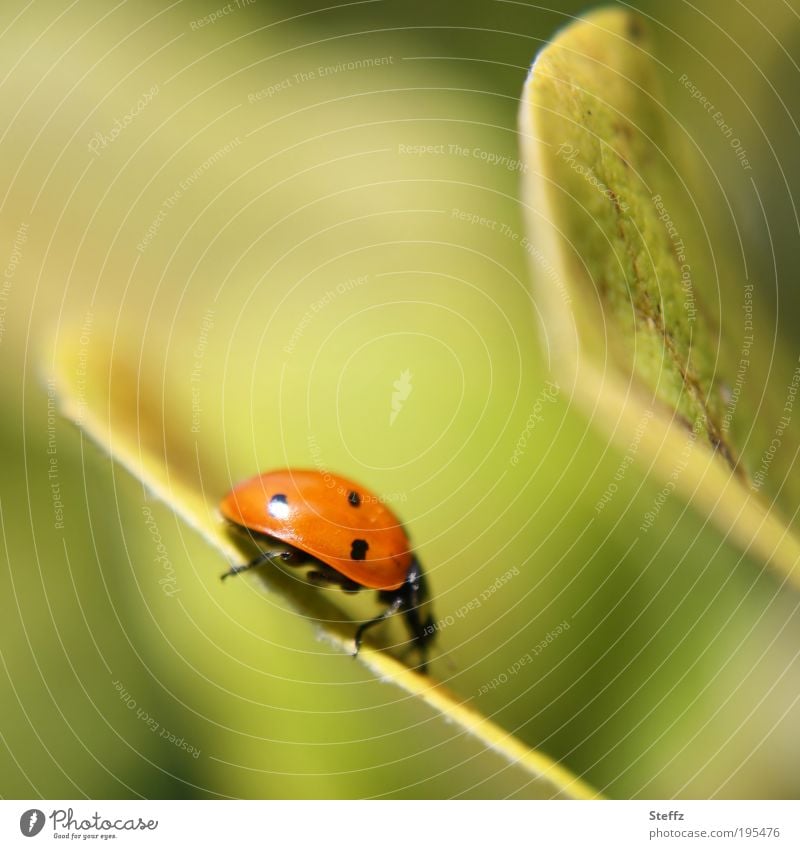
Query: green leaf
(639, 317)
(109, 396)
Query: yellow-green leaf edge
(602, 62)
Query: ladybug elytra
(347, 535)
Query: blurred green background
(278, 211)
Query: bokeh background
(280, 211)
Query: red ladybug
(348, 536)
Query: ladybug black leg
(351, 587)
(264, 557)
(317, 577)
(396, 604)
(422, 631)
(324, 575)
(422, 666)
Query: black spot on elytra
(359, 548)
(354, 498)
(275, 505)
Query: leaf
(633, 314)
(107, 394)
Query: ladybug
(347, 536)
